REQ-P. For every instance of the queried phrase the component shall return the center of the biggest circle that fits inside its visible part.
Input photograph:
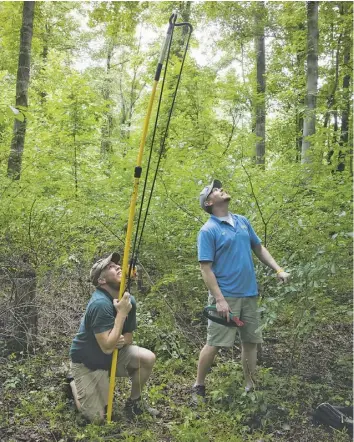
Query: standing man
(225, 243)
(106, 325)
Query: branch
(111, 231)
(253, 194)
(30, 229)
(231, 134)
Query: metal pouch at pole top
(211, 313)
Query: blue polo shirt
(230, 250)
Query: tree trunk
(74, 133)
(23, 74)
(331, 98)
(312, 78)
(261, 86)
(299, 113)
(106, 130)
(128, 100)
(299, 128)
(344, 135)
(24, 317)
(43, 93)
(331, 101)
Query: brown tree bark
(23, 75)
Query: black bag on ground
(335, 417)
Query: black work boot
(198, 394)
(137, 407)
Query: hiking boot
(198, 394)
(138, 407)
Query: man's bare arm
(109, 339)
(210, 281)
(264, 256)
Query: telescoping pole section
(137, 175)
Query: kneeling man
(106, 325)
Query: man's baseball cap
(206, 192)
(100, 265)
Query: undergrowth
(36, 408)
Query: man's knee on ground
(94, 416)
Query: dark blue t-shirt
(99, 317)
(230, 250)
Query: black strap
(335, 417)
(137, 237)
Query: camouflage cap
(100, 265)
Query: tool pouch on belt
(335, 417)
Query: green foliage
(92, 67)
(158, 334)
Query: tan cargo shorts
(92, 386)
(246, 309)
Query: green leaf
(20, 117)
(13, 111)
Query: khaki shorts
(92, 386)
(246, 309)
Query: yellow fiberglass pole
(134, 197)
